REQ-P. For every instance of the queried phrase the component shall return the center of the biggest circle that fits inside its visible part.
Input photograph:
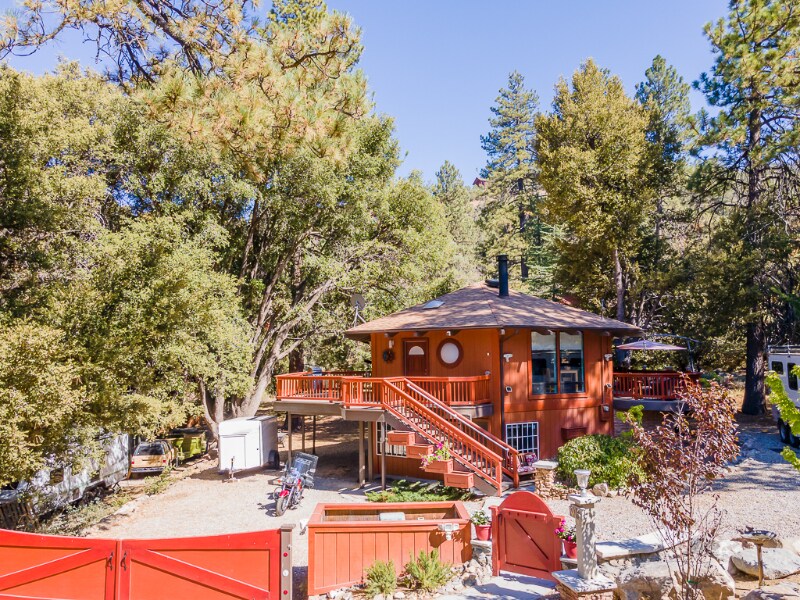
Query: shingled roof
(479, 306)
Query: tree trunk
(754, 393)
(619, 283)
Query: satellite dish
(357, 301)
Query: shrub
(381, 579)
(418, 491)
(426, 572)
(610, 459)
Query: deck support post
(303, 433)
(370, 446)
(289, 420)
(314, 434)
(383, 458)
(361, 460)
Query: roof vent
(433, 304)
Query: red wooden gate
(524, 536)
(45, 566)
(243, 565)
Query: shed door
(416, 357)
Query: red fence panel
(53, 567)
(253, 566)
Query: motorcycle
(298, 475)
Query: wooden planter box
(459, 479)
(418, 450)
(440, 466)
(400, 438)
(344, 540)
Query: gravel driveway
(762, 491)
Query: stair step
(418, 450)
(440, 466)
(400, 438)
(459, 479)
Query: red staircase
(420, 421)
(479, 459)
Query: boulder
(646, 580)
(781, 591)
(600, 490)
(723, 550)
(716, 583)
(778, 562)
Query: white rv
(783, 360)
(55, 488)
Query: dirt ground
(762, 491)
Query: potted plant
(438, 461)
(483, 526)
(567, 536)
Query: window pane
(543, 363)
(524, 437)
(571, 362)
(777, 366)
(792, 377)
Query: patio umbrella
(649, 345)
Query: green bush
(419, 491)
(427, 572)
(610, 459)
(381, 579)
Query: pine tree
(510, 217)
(749, 177)
(593, 156)
(457, 201)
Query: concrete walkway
(508, 586)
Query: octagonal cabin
(513, 373)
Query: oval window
(450, 353)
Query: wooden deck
(652, 385)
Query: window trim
(457, 344)
(791, 376)
(559, 393)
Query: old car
(153, 457)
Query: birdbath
(757, 537)
(586, 581)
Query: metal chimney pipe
(502, 270)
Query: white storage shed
(250, 442)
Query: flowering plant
(479, 517)
(440, 452)
(565, 533)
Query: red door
(47, 566)
(415, 357)
(524, 536)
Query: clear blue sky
(436, 65)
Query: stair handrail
(493, 473)
(508, 453)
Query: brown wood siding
(482, 353)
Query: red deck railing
(424, 404)
(333, 386)
(652, 385)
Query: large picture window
(570, 348)
(543, 363)
(557, 365)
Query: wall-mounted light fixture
(508, 356)
(391, 343)
(502, 332)
(608, 356)
(448, 333)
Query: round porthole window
(450, 353)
